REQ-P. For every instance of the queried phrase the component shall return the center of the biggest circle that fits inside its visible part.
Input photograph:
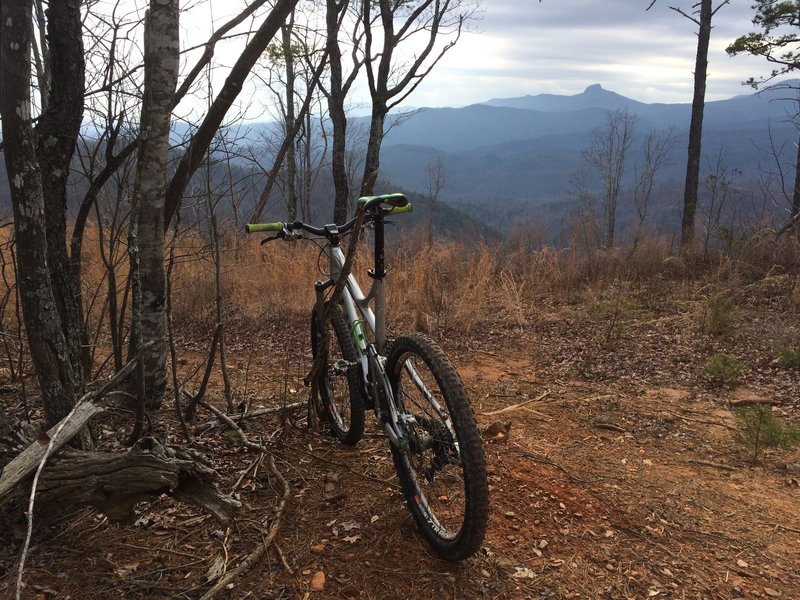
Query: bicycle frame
(364, 320)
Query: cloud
(558, 46)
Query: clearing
(621, 476)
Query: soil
(621, 475)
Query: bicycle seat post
(378, 273)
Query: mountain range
(513, 158)
(512, 161)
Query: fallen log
(59, 435)
(28, 460)
(113, 482)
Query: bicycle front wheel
(442, 468)
(339, 384)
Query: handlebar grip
(259, 227)
(399, 210)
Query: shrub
(723, 370)
(719, 313)
(789, 357)
(759, 428)
(615, 307)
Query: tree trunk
(58, 130)
(337, 115)
(794, 219)
(291, 155)
(372, 160)
(696, 126)
(379, 90)
(147, 222)
(58, 378)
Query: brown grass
(440, 288)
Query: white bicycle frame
(363, 320)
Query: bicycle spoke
(433, 452)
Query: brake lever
(289, 236)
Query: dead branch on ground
(271, 527)
(204, 427)
(518, 405)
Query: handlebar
(259, 227)
(386, 205)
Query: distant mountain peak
(593, 96)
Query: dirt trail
(620, 478)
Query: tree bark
(57, 134)
(59, 380)
(696, 126)
(289, 119)
(336, 112)
(372, 160)
(147, 236)
(58, 130)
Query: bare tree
(436, 183)
(37, 161)
(425, 24)
(656, 148)
(702, 17)
(290, 136)
(295, 66)
(606, 153)
(190, 161)
(339, 84)
(720, 186)
(147, 236)
(777, 183)
(289, 58)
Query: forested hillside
(518, 158)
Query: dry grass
(440, 288)
(257, 283)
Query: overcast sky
(562, 46)
(520, 47)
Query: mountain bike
(415, 392)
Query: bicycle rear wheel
(442, 469)
(339, 384)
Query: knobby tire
(443, 479)
(340, 392)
